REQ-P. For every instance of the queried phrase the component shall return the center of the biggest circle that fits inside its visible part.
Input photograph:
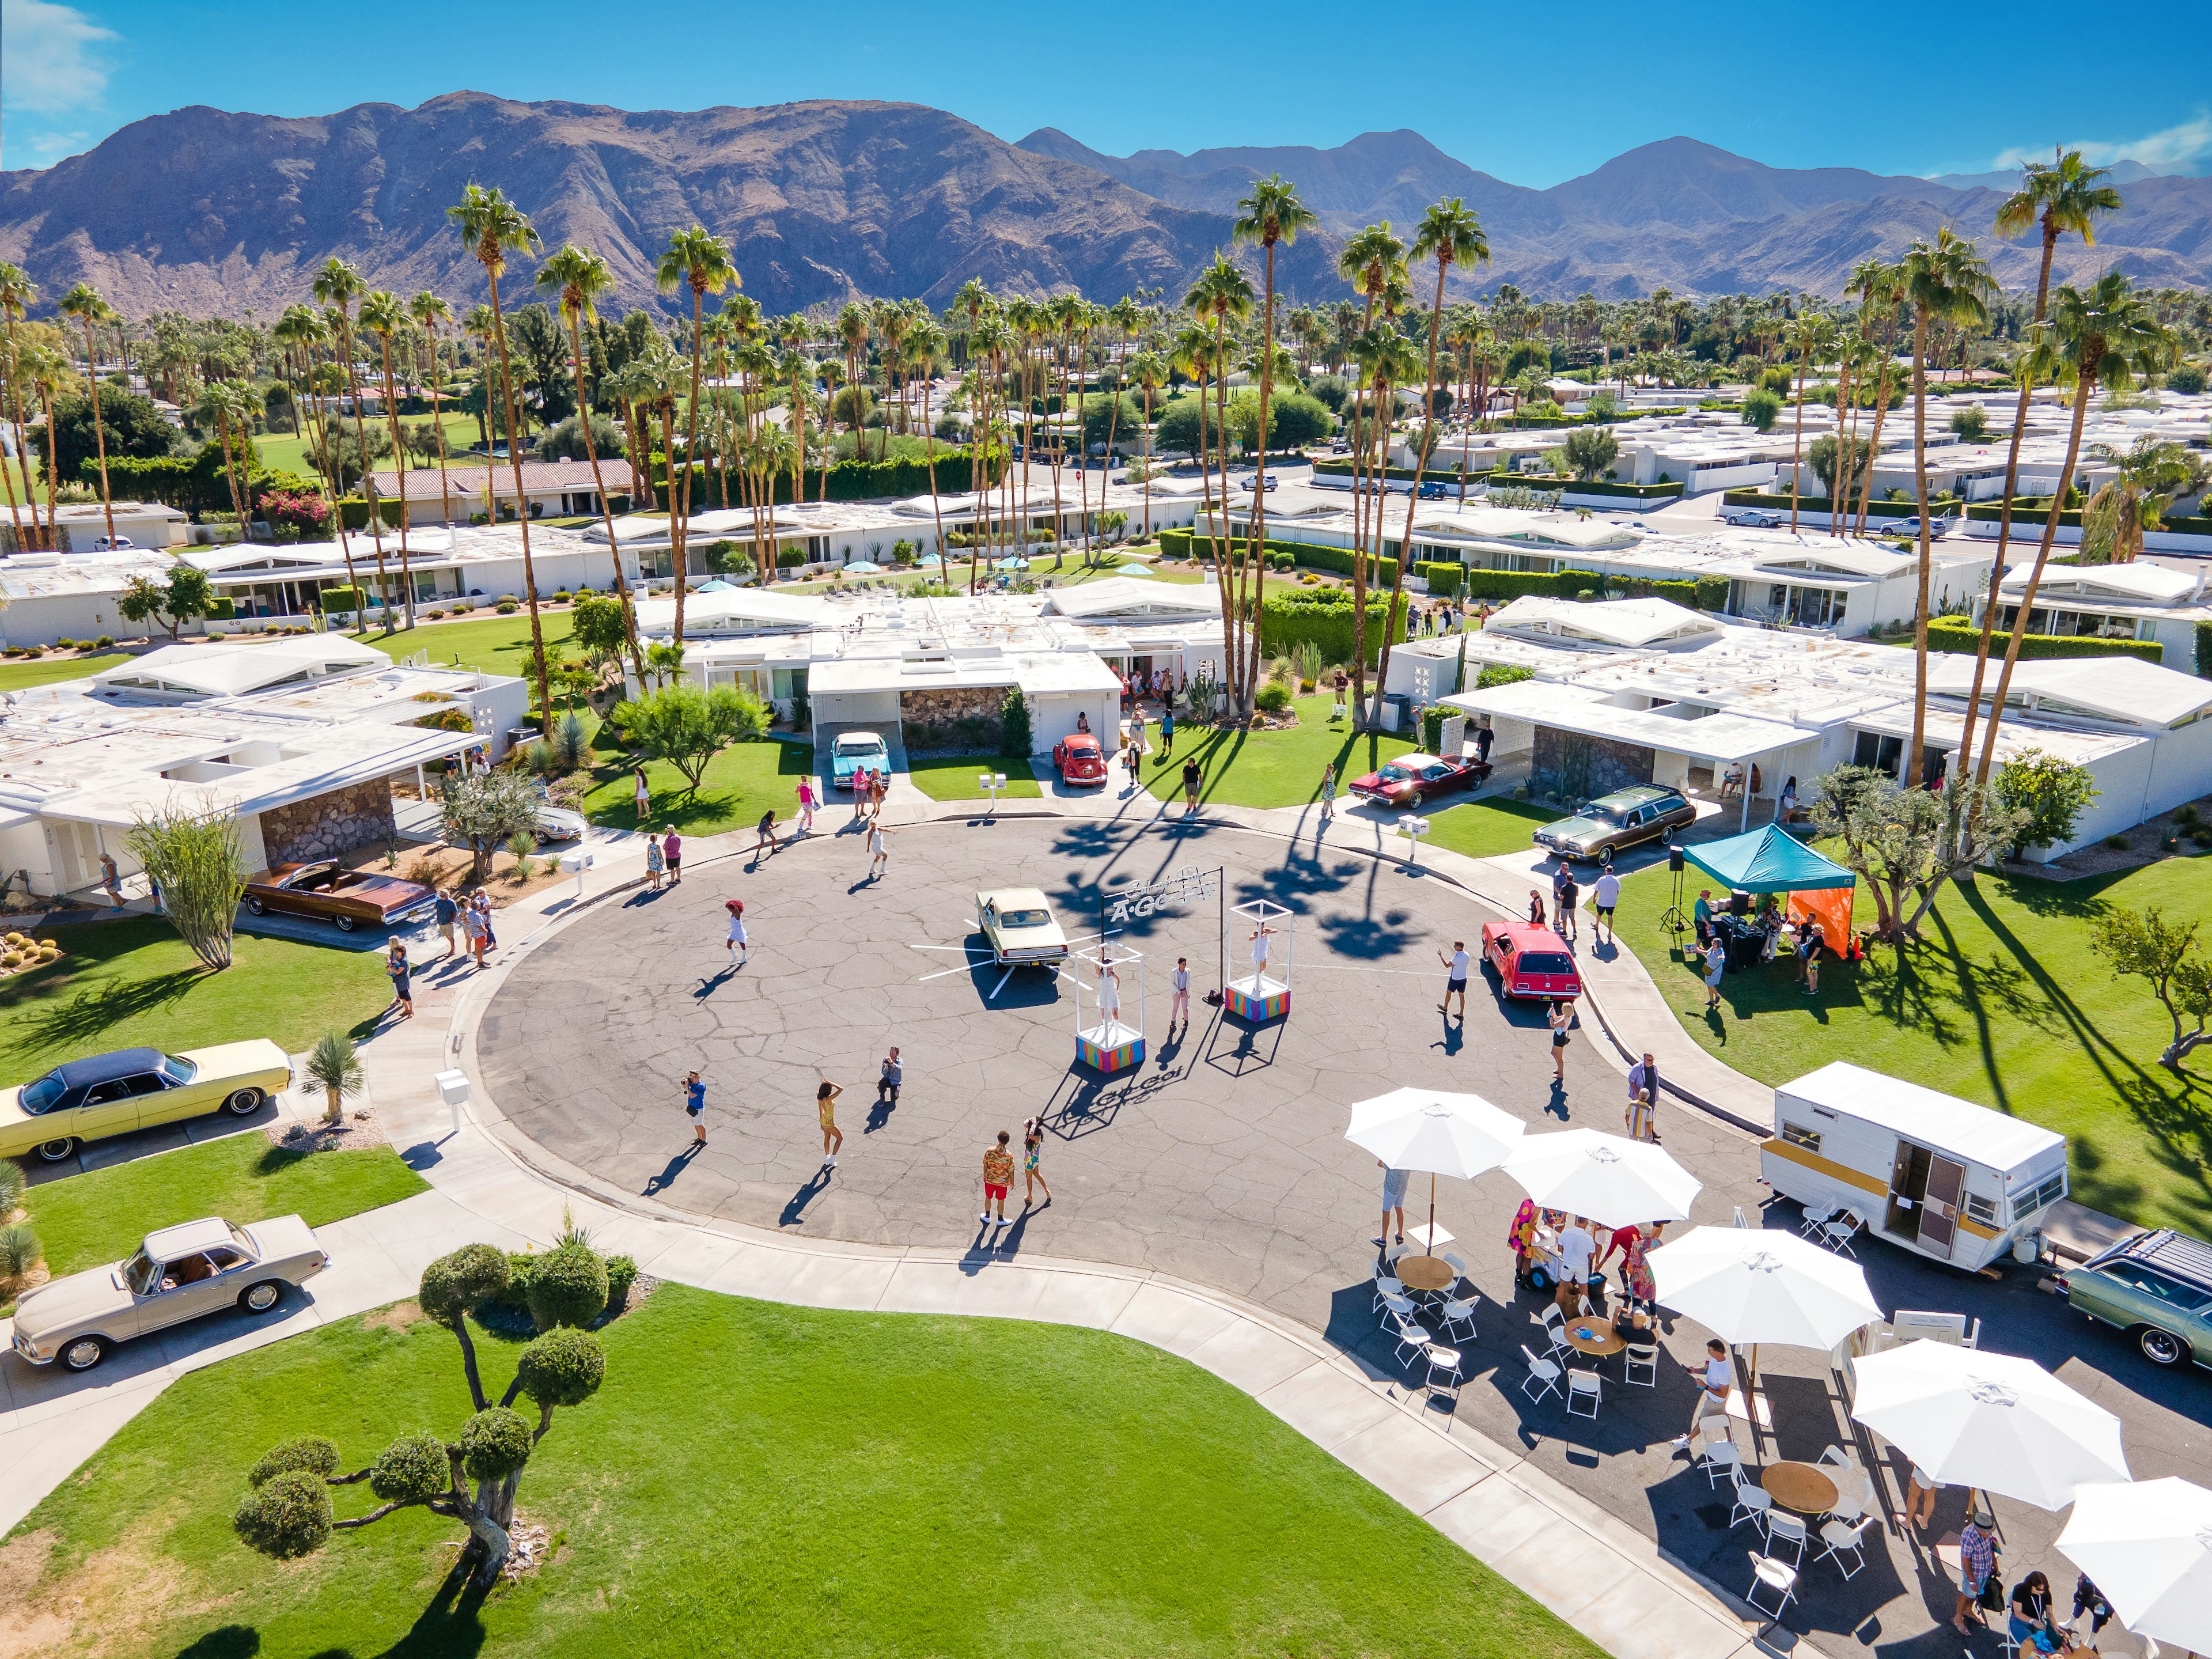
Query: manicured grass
(740, 783)
(100, 1216)
(2002, 1003)
(50, 670)
(952, 777)
(122, 983)
(494, 644)
(1269, 768)
(758, 1480)
(1484, 828)
(289, 452)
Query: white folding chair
(1540, 1371)
(1583, 1385)
(1837, 1236)
(1719, 1457)
(1846, 1537)
(1386, 1285)
(1850, 1505)
(1784, 1527)
(1442, 1361)
(1457, 1313)
(1816, 1217)
(1837, 1457)
(1458, 1266)
(1396, 1304)
(1646, 1356)
(1410, 1335)
(1392, 1252)
(1753, 1504)
(1555, 1321)
(1766, 1573)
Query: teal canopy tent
(1768, 860)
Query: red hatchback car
(1530, 960)
(1079, 759)
(1412, 780)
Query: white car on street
(1018, 924)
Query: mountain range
(213, 212)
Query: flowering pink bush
(308, 515)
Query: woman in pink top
(671, 849)
(806, 807)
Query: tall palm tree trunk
(367, 486)
(1920, 493)
(399, 461)
(521, 506)
(1420, 466)
(598, 485)
(438, 425)
(1797, 443)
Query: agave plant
(337, 1067)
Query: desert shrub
(288, 1517)
(1273, 697)
(19, 1249)
(622, 1273)
(568, 1286)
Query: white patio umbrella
(2148, 1544)
(1435, 1132)
(1749, 1287)
(1970, 1418)
(1613, 1180)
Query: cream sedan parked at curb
(113, 1094)
(179, 1273)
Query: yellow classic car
(113, 1094)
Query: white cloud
(52, 63)
(2185, 143)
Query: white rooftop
(1994, 1139)
(211, 672)
(1637, 622)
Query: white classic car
(1016, 923)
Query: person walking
(695, 1107)
(1977, 1559)
(642, 793)
(1191, 778)
(1032, 1145)
(111, 878)
(1328, 791)
(1560, 1018)
(825, 1108)
(806, 807)
(447, 912)
(1643, 1114)
(1455, 985)
(1569, 908)
(998, 1176)
(1716, 965)
(1607, 896)
(1484, 737)
(1179, 1003)
(1394, 1201)
(656, 862)
(740, 948)
(1167, 732)
(472, 932)
(1920, 1497)
(1535, 907)
(482, 904)
(402, 979)
(764, 835)
(1129, 767)
(1717, 1379)
(879, 852)
(1338, 683)
(671, 849)
(887, 1083)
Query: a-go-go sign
(1188, 885)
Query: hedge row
(849, 480)
(1437, 470)
(190, 484)
(1962, 636)
(1180, 543)
(1300, 617)
(1574, 486)
(1780, 502)
(353, 512)
(2204, 650)
(1705, 593)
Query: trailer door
(1939, 1210)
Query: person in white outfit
(738, 947)
(1179, 1005)
(880, 857)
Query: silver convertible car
(179, 1273)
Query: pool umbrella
(1610, 1179)
(864, 567)
(1442, 1134)
(2147, 1544)
(1970, 1418)
(1750, 1287)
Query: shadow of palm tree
(85, 1016)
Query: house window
(1795, 1136)
(1878, 750)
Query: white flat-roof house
(82, 526)
(299, 737)
(2134, 601)
(1621, 705)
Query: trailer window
(1981, 1209)
(2049, 1191)
(1808, 1139)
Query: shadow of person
(709, 987)
(879, 1113)
(673, 1168)
(1454, 1037)
(794, 1209)
(1558, 1103)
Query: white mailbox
(453, 1090)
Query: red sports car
(1079, 759)
(1530, 960)
(1411, 780)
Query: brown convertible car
(348, 898)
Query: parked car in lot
(2157, 1287)
(113, 1094)
(178, 1274)
(1757, 518)
(1604, 826)
(1529, 959)
(1079, 759)
(327, 891)
(1412, 781)
(856, 751)
(1018, 924)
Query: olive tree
(688, 727)
(185, 595)
(2053, 793)
(471, 1478)
(2145, 944)
(1906, 843)
(194, 859)
(485, 810)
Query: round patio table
(1804, 1487)
(1599, 1341)
(1425, 1273)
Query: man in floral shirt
(998, 1174)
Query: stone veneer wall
(932, 714)
(1566, 766)
(323, 826)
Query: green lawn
(758, 1479)
(48, 671)
(494, 644)
(122, 983)
(2001, 1003)
(740, 783)
(952, 777)
(289, 451)
(1484, 828)
(1269, 768)
(100, 1216)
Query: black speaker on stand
(1675, 921)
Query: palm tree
(482, 326)
(579, 276)
(1815, 333)
(853, 329)
(83, 303)
(220, 406)
(1366, 262)
(2102, 335)
(701, 262)
(46, 373)
(1881, 290)
(1389, 359)
(1226, 292)
(2066, 197)
(337, 285)
(1451, 234)
(296, 331)
(928, 344)
(1272, 214)
(492, 227)
(383, 315)
(1150, 371)
(429, 310)
(2147, 475)
(1945, 280)
(17, 294)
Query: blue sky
(1532, 93)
